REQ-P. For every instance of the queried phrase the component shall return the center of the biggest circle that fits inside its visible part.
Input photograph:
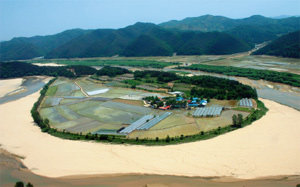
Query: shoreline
(251, 152)
(12, 169)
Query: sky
(43, 17)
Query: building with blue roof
(203, 102)
(179, 99)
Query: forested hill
(208, 23)
(26, 48)
(286, 46)
(140, 39)
(254, 29)
(204, 35)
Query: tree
(181, 137)
(29, 184)
(168, 139)
(239, 120)
(234, 120)
(46, 122)
(19, 184)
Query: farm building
(203, 102)
(165, 108)
(175, 93)
(179, 99)
(136, 124)
(208, 111)
(154, 121)
(245, 102)
(145, 123)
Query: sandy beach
(268, 147)
(9, 85)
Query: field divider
(81, 89)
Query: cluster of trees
(21, 184)
(160, 76)
(81, 70)
(237, 120)
(156, 102)
(255, 74)
(20, 69)
(285, 46)
(112, 71)
(204, 86)
(219, 88)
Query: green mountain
(100, 42)
(26, 48)
(18, 49)
(253, 34)
(146, 45)
(208, 23)
(210, 35)
(146, 39)
(254, 29)
(285, 46)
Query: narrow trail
(81, 89)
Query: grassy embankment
(45, 127)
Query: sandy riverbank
(9, 85)
(12, 170)
(268, 147)
(47, 64)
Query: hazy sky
(42, 17)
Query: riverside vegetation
(255, 74)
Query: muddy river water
(29, 86)
(280, 93)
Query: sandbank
(268, 147)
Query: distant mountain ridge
(25, 48)
(208, 23)
(254, 29)
(210, 35)
(147, 39)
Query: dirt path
(81, 89)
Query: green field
(66, 111)
(103, 62)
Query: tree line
(20, 69)
(255, 74)
(112, 71)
